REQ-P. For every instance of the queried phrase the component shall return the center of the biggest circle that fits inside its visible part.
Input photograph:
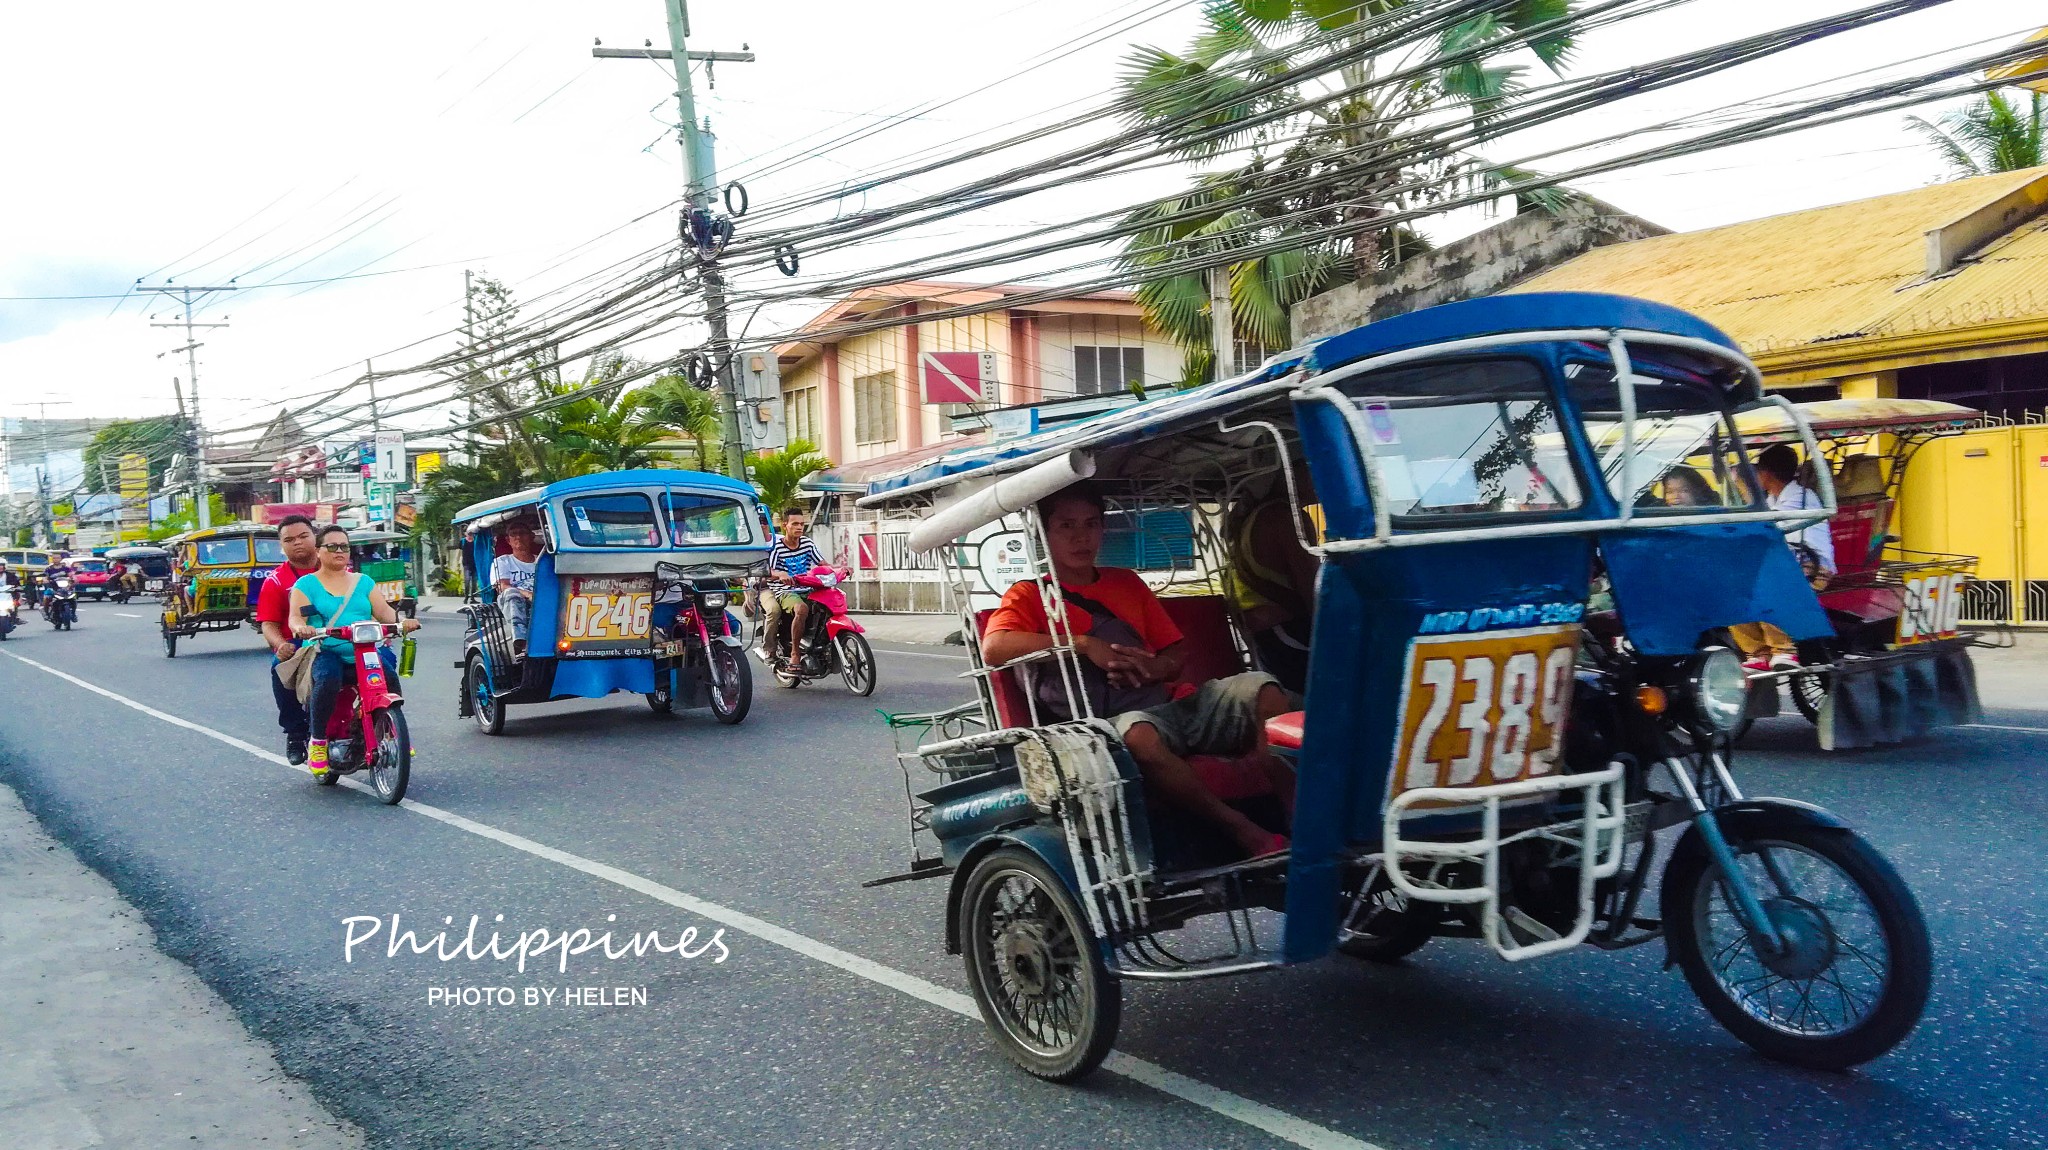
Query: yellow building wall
(1985, 493)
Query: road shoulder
(107, 1041)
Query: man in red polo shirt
(1131, 654)
(273, 614)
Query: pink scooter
(832, 642)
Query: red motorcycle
(832, 643)
(384, 746)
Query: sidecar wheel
(1034, 969)
(1855, 977)
(488, 711)
(662, 699)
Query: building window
(1106, 370)
(960, 419)
(874, 408)
(800, 412)
(1248, 354)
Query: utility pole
(700, 167)
(1222, 328)
(191, 349)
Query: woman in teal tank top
(334, 596)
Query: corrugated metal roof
(1847, 272)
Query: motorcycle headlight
(1720, 690)
(365, 632)
(712, 600)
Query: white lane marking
(917, 654)
(126, 615)
(1235, 1107)
(1997, 727)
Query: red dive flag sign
(957, 376)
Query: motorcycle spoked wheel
(1386, 926)
(732, 684)
(856, 663)
(1854, 981)
(1809, 692)
(170, 643)
(391, 768)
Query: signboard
(958, 376)
(388, 463)
(1005, 561)
(407, 516)
(134, 493)
(424, 464)
(343, 458)
(382, 498)
(606, 615)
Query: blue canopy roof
(606, 481)
(1494, 315)
(1505, 314)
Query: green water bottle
(408, 649)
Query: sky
(398, 144)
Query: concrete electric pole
(700, 166)
(186, 295)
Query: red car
(95, 577)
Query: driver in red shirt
(273, 614)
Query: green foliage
(1996, 132)
(157, 437)
(186, 517)
(1312, 166)
(777, 474)
(674, 407)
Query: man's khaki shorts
(1221, 718)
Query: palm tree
(672, 404)
(1323, 157)
(492, 469)
(1994, 133)
(778, 473)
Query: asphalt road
(832, 1019)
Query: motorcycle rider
(334, 596)
(273, 610)
(792, 554)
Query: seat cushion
(1284, 731)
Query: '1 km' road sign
(958, 376)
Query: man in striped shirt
(792, 555)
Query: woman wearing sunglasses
(335, 596)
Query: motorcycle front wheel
(732, 684)
(1856, 966)
(857, 663)
(391, 768)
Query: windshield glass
(96, 566)
(233, 549)
(696, 520)
(269, 550)
(622, 520)
(1687, 457)
(1463, 439)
